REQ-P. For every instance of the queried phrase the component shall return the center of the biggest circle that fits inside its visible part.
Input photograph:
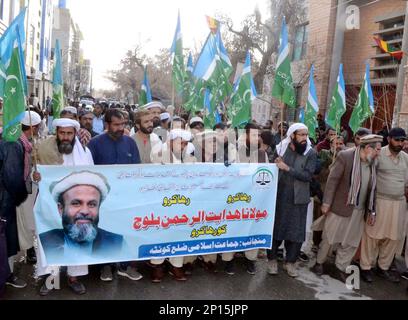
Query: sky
(110, 28)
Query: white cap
(165, 116)
(83, 178)
(66, 123)
(154, 104)
(72, 110)
(196, 119)
(179, 133)
(35, 118)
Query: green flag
(338, 103)
(195, 100)
(179, 73)
(312, 108)
(14, 99)
(365, 104)
(240, 109)
(145, 95)
(283, 86)
(58, 84)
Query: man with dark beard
(147, 141)
(385, 228)
(111, 148)
(86, 120)
(79, 197)
(297, 162)
(63, 149)
(248, 153)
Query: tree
(262, 38)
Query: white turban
(179, 133)
(83, 178)
(283, 146)
(35, 119)
(66, 123)
(165, 116)
(154, 104)
(72, 110)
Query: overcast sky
(110, 28)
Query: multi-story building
(70, 37)
(343, 31)
(38, 47)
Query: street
(204, 286)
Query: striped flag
(312, 107)
(364, 107)
(338, 103)
(283, 86)
(145, 94)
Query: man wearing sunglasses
(385, 228)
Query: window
(300, 44)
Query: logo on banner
(263, 179)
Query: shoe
(15, 282)
(251, 267)
(303, 257)
(367, 276)
(229, 268)
(280, 255)
(177, 273)
(388, 275)
(318, 269)
(291, 270)
(210, 267)
(393, 266)
(106, 274)
(31, 257)
(77, 287)
(273, 267)
(44, 291)
(131, 273)
(157, 274)
(188, 269)
(340, 275)
(404, 275)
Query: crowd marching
(357, 187)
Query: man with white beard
(63, 149)
(352, 181)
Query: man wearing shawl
(349, 194)
(64, 149)
(297, 162)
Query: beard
(147, 130)
(156, 122)
(117, 135)
(300, 148)
(65, 147)
(80, 233)
(395, 149)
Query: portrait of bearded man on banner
(79, 197)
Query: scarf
(283, 146)
(28, 148)
(354, 193)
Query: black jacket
(105, 243)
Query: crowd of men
(356, 185)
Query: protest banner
(106, 214)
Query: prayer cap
(83, 178)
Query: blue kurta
(106, 151)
